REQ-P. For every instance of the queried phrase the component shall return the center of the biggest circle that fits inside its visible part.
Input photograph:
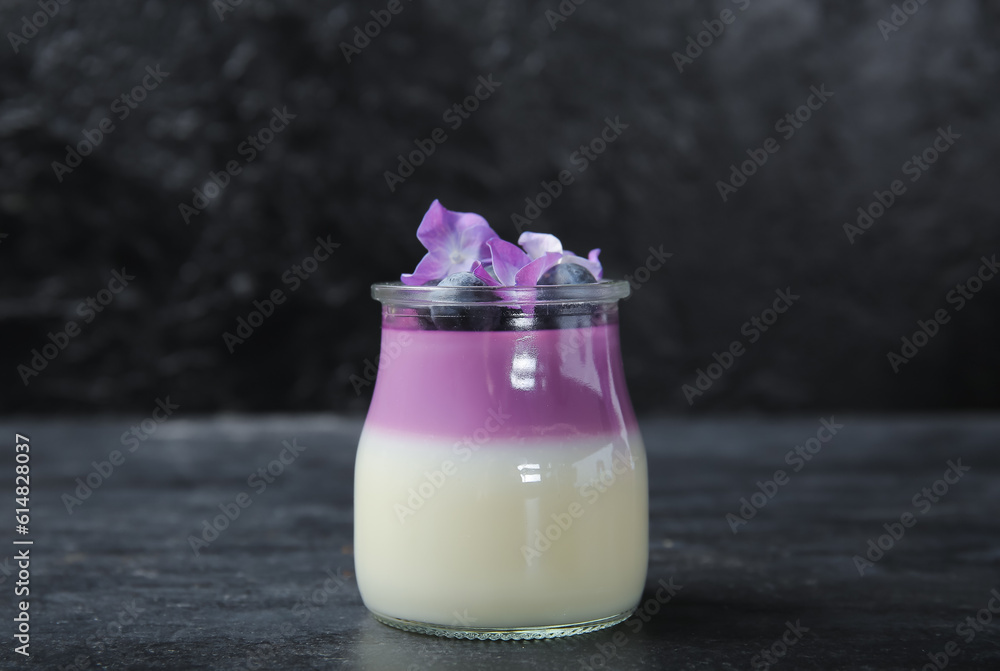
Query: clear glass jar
(500, 482)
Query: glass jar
(500, 482)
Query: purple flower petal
(433, 231)
(443, 229)
(473, 241)
(454, 241)
(479, 270)
(508, 258)
(538, 244)
(528, 275)
(595, 266)
(431, 267)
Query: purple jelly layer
(557, 383)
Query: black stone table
(116, 584)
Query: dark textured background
(654, 186)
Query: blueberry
(456, 318)
(461, 280)
(557, 316)
(424, 314)
(567, 273)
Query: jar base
(503, 633)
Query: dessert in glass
(500, 482)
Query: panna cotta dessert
(500, 482)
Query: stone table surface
(115, 583)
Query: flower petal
(472, 241)
(528, 275)
(479, 270)
(537, 244)
(432, 267)
(443, 229)
(434, 230)
(508, 258)
(454, 240)
(592, 257)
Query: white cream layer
(500, 534)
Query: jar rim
(397, 293)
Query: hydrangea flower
(454, 242)
(464, 242)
